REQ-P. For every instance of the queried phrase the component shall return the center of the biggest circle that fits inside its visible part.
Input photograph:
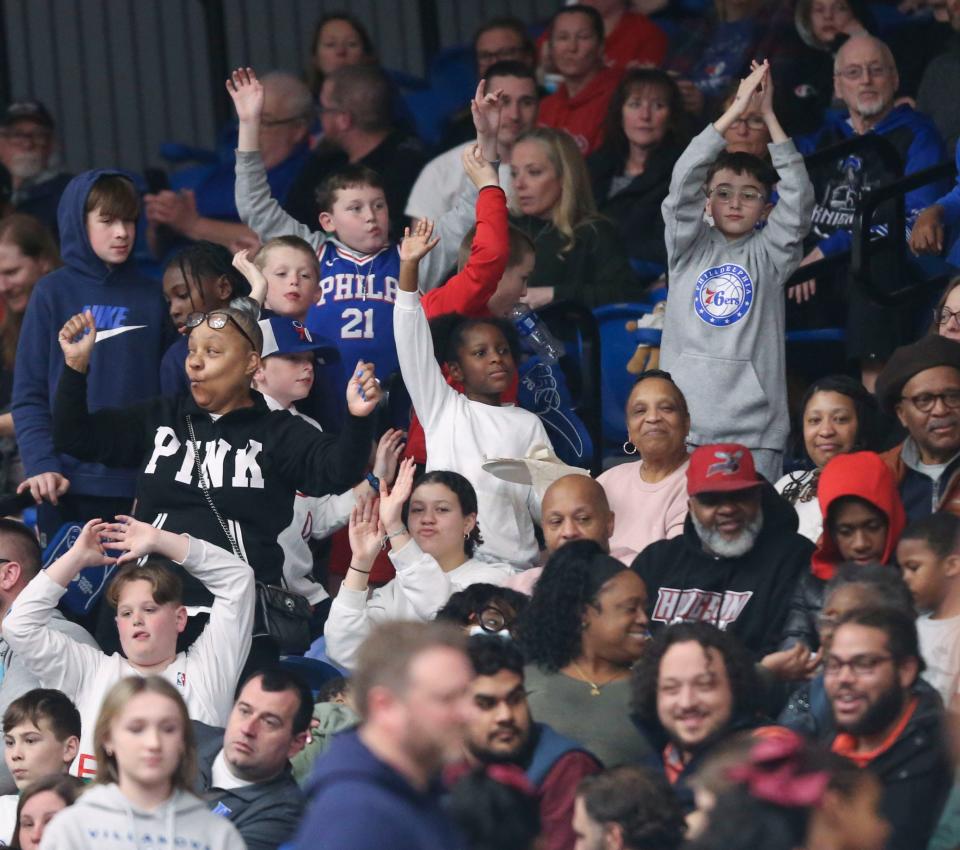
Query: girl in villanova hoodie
(863, 518)
(146, 766)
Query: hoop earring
(629, 448)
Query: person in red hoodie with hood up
(863, 518)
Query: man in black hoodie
(739, 556)
(885, 724)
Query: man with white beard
(738, 558)
(26, 147)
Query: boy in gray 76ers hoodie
(723, 335)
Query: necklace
(594, 687)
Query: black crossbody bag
(280, 613)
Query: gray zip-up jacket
(260, 211)
(723, 335)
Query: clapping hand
(388, 455)
(366, 534)
(393, 500)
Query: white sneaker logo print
(102, 335)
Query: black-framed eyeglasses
(925, 402)
(944, 315)
(860, 665)
(218, 321)
(754, 122)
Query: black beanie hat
(908, 360)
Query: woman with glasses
(946, 315)
(630, 173)
(431, 528)
(215, 463)
(584, 629)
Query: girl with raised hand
(146, 768)
(431, 526)
(464, 430)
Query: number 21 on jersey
(358, 323)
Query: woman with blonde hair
(146, 767)
(579, 254)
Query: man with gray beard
(27, 144)
(866, 80)
(739, 556)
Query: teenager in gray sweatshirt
(723, 335)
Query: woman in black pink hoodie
(253, 460)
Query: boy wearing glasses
(723, 337)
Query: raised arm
(56, 659)
(113, 436)
(421, 373)
(321, 464)
(258, 209)
(789, 222)
(683, 208)
(469, 290)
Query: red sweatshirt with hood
(860, 474)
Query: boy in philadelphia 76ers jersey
(359, 267)
(723, 334)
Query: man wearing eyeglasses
(500, 730)
(921, 386)
(26, 149)
(886, 726)
(866, 80)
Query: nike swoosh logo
(102, 335)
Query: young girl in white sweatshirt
(143, 794)
(432, 539)
(464, 430)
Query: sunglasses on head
(218, 321)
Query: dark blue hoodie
(361, 803)
(132, 328)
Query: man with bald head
(866, 80)
(574, 508)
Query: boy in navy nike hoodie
(97, 218)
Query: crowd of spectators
(303, 561)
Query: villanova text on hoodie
(359, 802)
(132, 334)
(746, 596)
(104, 819)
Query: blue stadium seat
(315, 673)
(617, 346)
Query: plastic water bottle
(535, 336)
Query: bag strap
(206, 491)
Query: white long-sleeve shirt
(314, 517)
(206, 674)
(420, 589)
(462, 434)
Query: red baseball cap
(720, 468)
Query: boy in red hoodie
(863, 519)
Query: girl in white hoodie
(146, 766)
(432, 540)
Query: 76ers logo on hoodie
(723, 295)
